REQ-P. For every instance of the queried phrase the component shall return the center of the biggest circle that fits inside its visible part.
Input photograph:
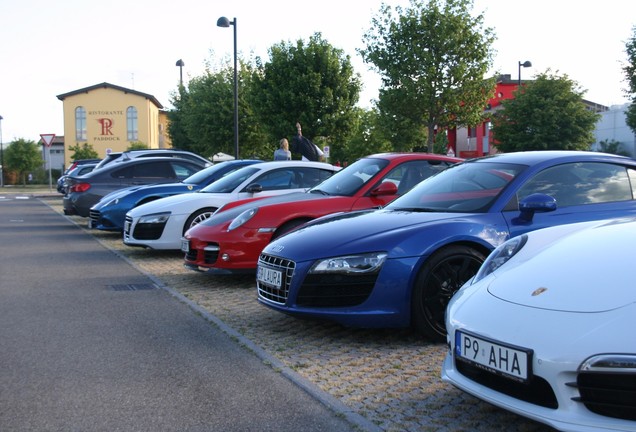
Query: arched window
(131, 123)
(80, 124)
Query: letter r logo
(106, 124)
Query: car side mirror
(534, 203)
(385, 188)
(254, 188)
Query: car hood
(377, 230)
(586, 271)
(233, 209)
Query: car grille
(143, 231)
(608, 394)
(538, 391)
(273, 294)
(191, 255)
(95, 216)
(210, 254)
(320, 290)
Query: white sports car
(545, 328)
(160, 224)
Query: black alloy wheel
(443, 274)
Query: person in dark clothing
(305, 147)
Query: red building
(477, 141)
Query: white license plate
(127, 227)
(185, 245)
(502, 359)
(269, 277)
(90, 223)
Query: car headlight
(242, 218)
(500, 256)
(155, 218)
(362, 263)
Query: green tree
(137, 145)
(547, 113)
(613, 147)
(203, 118)
(367, 138)
(312, 83)
(432, 57)
(630, 77)
(23, 156)
(176, 123)
(84, 151)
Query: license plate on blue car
(496, 357)
(269, 277)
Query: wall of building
(106, 119)
(612, 127)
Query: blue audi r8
(109, 213)
(400, 265)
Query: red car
(231, 240)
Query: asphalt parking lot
(389, 377)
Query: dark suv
(133, 154)
(83, 192)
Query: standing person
(282, 153)
(304, 146)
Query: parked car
(544, 328)
(132, 154)
(109, 213)
(400, 265)
(161, 224)
(232, 239)
(87, 190)
(78, 162)
(79, 170)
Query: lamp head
(223, 22)
(525, 64)
(180, 63)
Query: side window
(159, 169)
(132, 124)
(582, 183)
(409, 174)
(126, 172)
(278, 179)
(80, 123)
(309, 177)
(182, 170)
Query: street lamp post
(224, 22)
(181, 64)
(525, 64)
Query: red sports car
(231, 240)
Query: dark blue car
(400, 265)
(109, 213)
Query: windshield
(231, 181)
(349, 180)
(201, 176)
(467, 187)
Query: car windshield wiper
(320, 191)
(414, 209)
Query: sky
(50, 48)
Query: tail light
(80, 187)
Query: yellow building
(110, 118)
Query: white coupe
(160, 224)
(545, 329)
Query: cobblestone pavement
(389, 377)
